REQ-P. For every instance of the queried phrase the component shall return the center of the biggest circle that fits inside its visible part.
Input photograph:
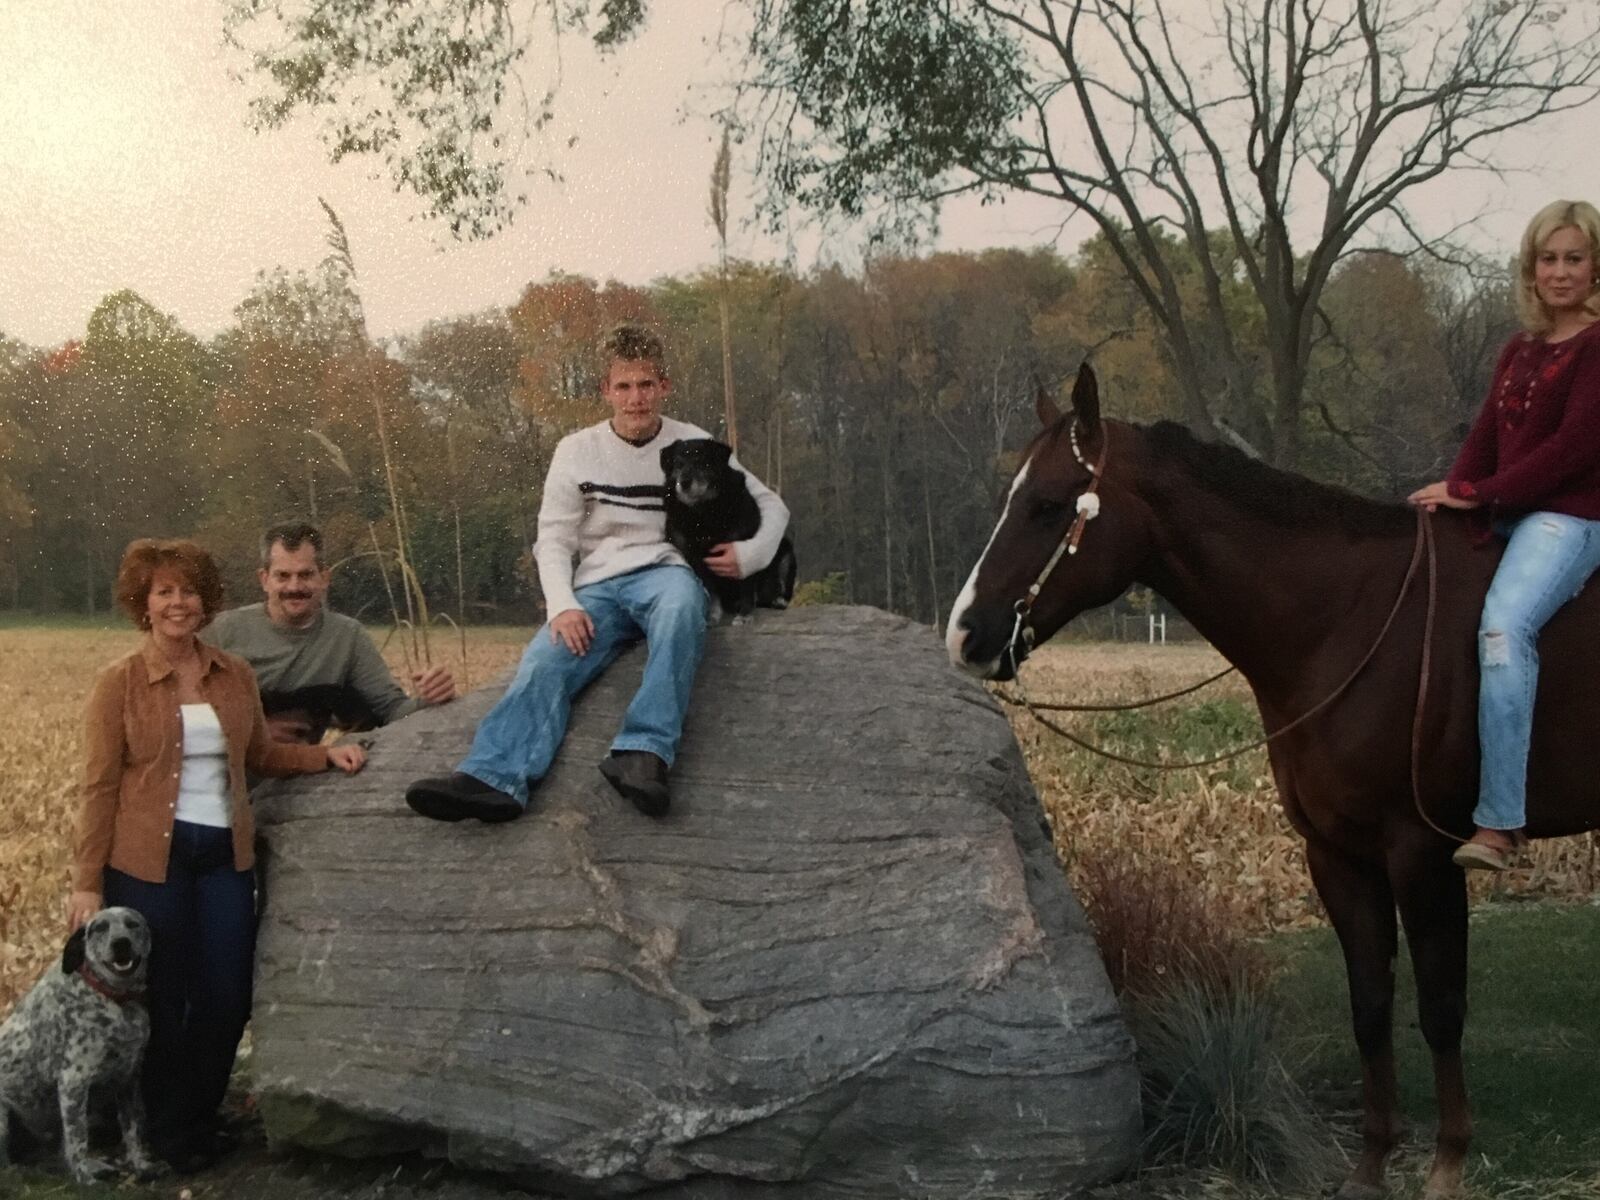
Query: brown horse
(1292, 581)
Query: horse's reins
(1088, 507)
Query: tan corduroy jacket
(134, 748)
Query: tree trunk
(888, 545)
(933, 553)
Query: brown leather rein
(1023, 630)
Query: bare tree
(1236, 147)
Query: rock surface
(846, 965)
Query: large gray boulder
(847, 964)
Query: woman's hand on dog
(722, 559)
(573, 629)
(347, 757)
(80, 907)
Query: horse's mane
(1282, 497)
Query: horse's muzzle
(987, 644)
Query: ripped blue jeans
(1548, 559)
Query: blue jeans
(666, 606)
(202, 960)
(1548, 559)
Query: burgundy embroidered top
(1536, 444)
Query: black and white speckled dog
(83, 1026)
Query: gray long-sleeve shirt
(333, 650)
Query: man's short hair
(292, 535)
(630, 343)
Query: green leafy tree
(16, 513)
(464, 376)
(118, 445)
(446, 95)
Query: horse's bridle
(1088, 508)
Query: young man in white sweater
(603, 507)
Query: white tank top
(203, 785)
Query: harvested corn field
(1219, 827)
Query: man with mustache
(315, 667)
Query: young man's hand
(573, 629)
(434, 686)
(723, 560)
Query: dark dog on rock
(311, 711)
(707, 503)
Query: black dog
(707, 503)
(319, 707)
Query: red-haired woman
(165, 828)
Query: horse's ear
(1086, 399)
(1049, 414)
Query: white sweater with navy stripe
(602, 507)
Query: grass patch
(1184, 732)
(64, 622)
(1533, 1071)
(1216, 1092)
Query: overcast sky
(125, 162)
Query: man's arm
(560, 514)
(756, 552)
(370, 676)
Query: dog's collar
(135, 996)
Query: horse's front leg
(1361, 906)
(1432, 894)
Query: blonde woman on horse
(1532, 460)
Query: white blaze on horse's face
(955, 636)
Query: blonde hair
(1561, 214)
(632, 343)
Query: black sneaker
(458, 796)
(641, 777)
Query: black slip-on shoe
(641, 777)
(457, 797)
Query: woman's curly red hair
(145, 556)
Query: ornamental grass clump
(1215, 1091)
(1195, 987)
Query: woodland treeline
(886, 403)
